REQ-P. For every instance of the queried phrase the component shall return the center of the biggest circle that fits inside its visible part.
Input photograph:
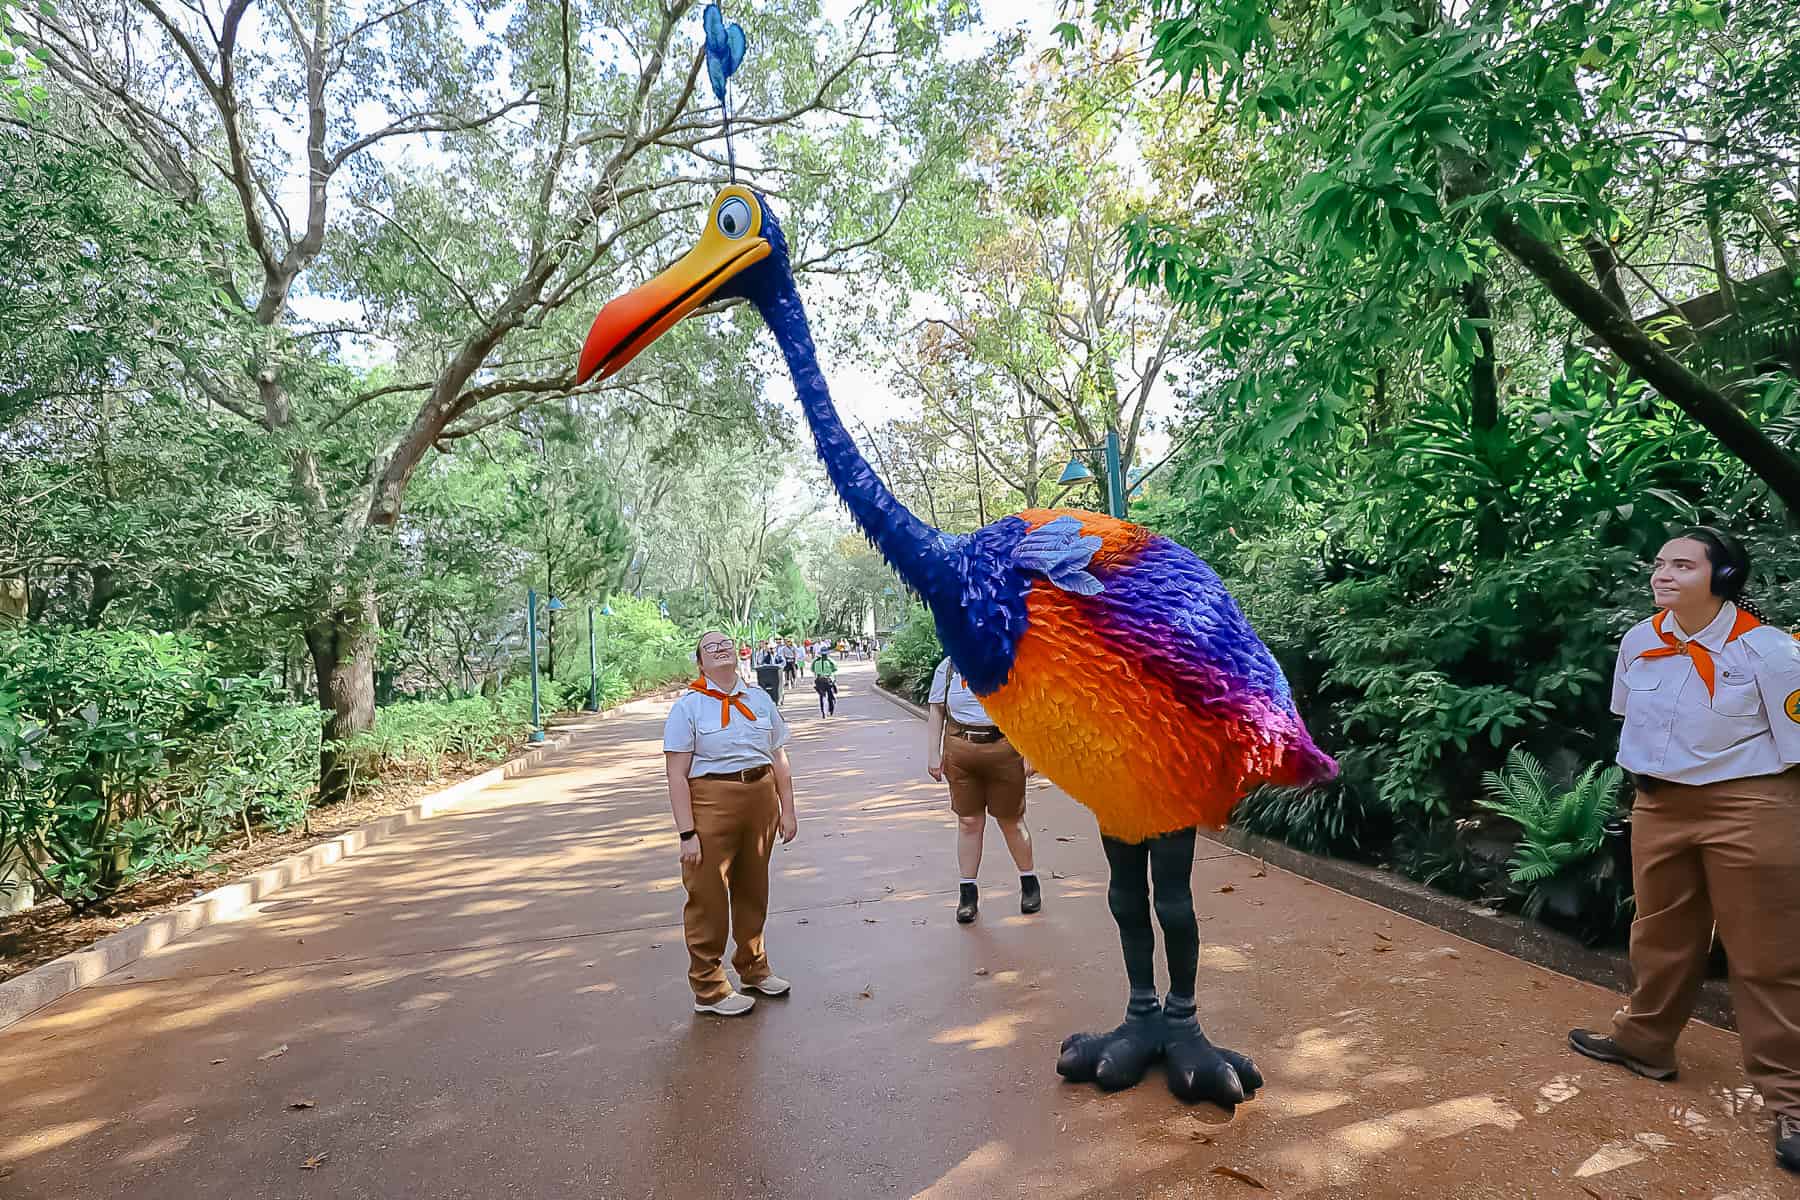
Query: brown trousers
(728, 893)
(1727, 853)
(984, 777)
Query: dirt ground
(49, 930)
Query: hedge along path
(25, 994)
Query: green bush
(124, 752)
(1561, 864)
(910, 660)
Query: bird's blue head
(741, 253)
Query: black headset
(1730, 562)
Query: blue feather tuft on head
(725, 46)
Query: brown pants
(729, 891)
(1726, 853)
(984, 777)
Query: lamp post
(537, 717)
(1117, 489)
(593, 703)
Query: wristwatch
(688, 834)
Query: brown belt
(747, 775)
(981, 735)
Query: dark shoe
(1031, 896)
(1598, 1046)
(965, 912)
(1787, 1142)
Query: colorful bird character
(1111, 657)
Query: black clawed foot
(1113, 1060)
(1198, 1071)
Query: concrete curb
(24, 994)
(902, 702)
(1506, 932)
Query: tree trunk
(1484, 413)
(1705, 404)
(343, 652)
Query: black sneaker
(1787, 1142)
(965, 912)
(1598, 1046)
(1031, 896)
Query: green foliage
(909, 661)
(1560, 863)
(1337, 819)
(123, 752)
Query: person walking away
(732, 792)
(790, 662)
(1711, 700)
(825, 682)
(987, 777)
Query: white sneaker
(734, 1005)
(772, 985)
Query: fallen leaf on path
(299, 1104)
(918, 920)
(1057, 875)
(656, 945)
(1194, 1135)
(1226, 888)
(868, 993)
(315, 1161)
(1063, 837)
(981, 970)
(1590, 1191)
(871, 920)
(217, 1061)
(887, 887)
(277, 1052)
(1384, 937)
(1381, 949)
(1262, 870)
(1251, 1180)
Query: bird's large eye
(734, 217)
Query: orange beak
(631, 322)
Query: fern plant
(1559, 862)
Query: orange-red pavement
(494, 1004)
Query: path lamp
(1118, 487)
(593, 704)
(537, 716)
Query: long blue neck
(918, 553)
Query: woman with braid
(1711, 700)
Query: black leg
(1119, 1059)
(1171, 870)
(1197, 1070)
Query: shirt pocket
(1737, 700)
(1644, 676)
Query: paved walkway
(494, 1005)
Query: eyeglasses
(707, 646)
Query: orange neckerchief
(727, 702)
(1702, 657)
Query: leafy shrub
(123, 752)
(1339, 818)
(644, 647)
(910, 660)
(1561, 863)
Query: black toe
(1198, 1071)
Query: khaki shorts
(984, 777)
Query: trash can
(768, 678)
